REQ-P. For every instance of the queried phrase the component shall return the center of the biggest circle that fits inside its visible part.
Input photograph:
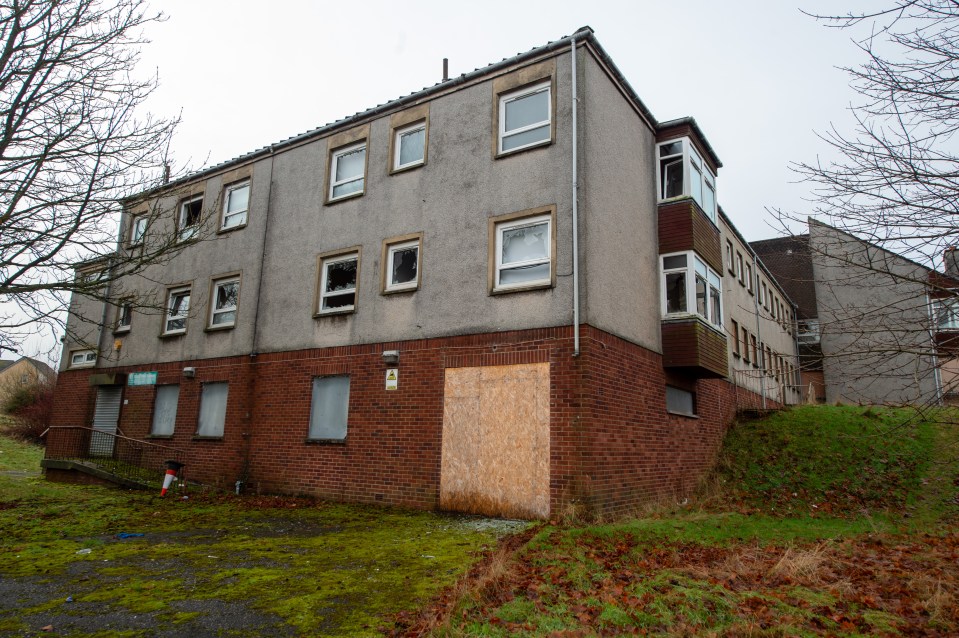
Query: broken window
(338, 283)
(402, 266)
(523, 252)
(236, 201)
(188, 221)
(124, 316)
(674, 269)
(329, 408)
(226, 293)
(524, 118)
(178, 307)
(347, 171)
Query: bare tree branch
(73, 145)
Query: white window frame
(506, 98)
(749, 277)
(184, 231)
(762, 294)
(138, 234)
(227, 194)
(124, 304)
(499, 267)
(88, 358)
(322, 294)
(168, 315)
(391, 250)
(693, 166)
(398, 145)
(334, 160)
(714, 281)
(947, 313)
(214, 311)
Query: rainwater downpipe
(247, 436)
(263, 245)
(759, 332)
(572, 45)
(937, 372)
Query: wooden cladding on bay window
(694, 347)
(682, 226)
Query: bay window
(703, 297)
(684, 173)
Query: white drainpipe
(575, 211)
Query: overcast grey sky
(759, 76)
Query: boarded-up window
(164, 410)
(330, 408)
(680, 401)
(212, 409)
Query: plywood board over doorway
(495, 453)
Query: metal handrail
(125, 457)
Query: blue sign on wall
(142, 378)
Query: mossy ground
(279, 566)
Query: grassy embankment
(834, 521)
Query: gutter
(584, 33)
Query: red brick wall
(612, 444)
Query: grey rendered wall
(874, 319)
(739, 304)
(83, 327)
(619, 240)
(449, 201)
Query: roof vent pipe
(446, 69)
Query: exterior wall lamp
(391, 357)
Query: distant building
(509, 293)
(21, 373)
(874, 327)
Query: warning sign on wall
(392, 378)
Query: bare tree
(893, 187)
(73, 145)
(896, 182)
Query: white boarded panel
(495, 453)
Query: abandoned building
(511, 293)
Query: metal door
(105, 418)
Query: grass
(835, 521)
(311, 568)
